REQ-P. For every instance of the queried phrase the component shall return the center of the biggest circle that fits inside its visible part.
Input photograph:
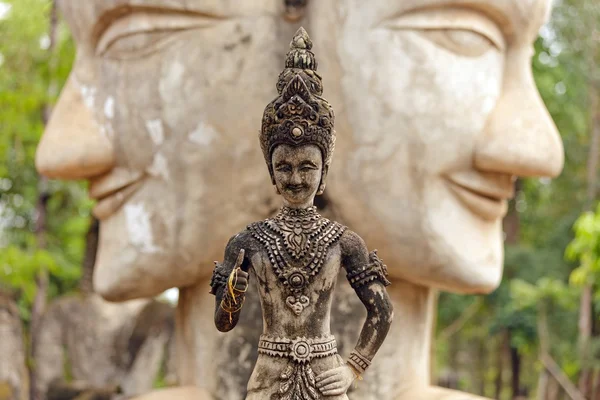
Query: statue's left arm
(368, 277)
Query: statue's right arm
(229, 284)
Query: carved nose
(295, 178)
(520, 137)
(72, 146)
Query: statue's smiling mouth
(112, 190)
(295, 188)
(485, 194)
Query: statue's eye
(283, 168)
(142, 33)
(459, 30)
(460, 41)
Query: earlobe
(321, 189)
(322, 183)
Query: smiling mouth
(295, 189)
(112, 190)
(486, 195)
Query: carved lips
(485, 194)
(112, 190)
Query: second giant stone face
(437, 112)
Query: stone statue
(438, 111)
(296, 256)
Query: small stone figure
(296, 256)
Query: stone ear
(321, 189)
(323, 178)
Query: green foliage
(28, 72)
(585, 248)
(547, 291)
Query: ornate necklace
(297, 241)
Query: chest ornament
(297, 241)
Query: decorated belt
(300, 349)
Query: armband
(375, 270)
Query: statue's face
(437, 113)
(297, 172)
(160, 114)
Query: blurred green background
(548, 305)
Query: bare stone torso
(280, 321)
(278, 317)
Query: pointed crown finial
(300, 55)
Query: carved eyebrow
(308, 162)
(113, 15)
(505, 13)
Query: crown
(298, 115)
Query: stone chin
(439, 261)
(135, 259)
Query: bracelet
(359, 362)
(231, 296)
(227, 306)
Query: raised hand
(240, 279)
(335, 381)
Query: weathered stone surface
(436, 113)
(13, 372)
(101, 345)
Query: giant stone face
(437, 114)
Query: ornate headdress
(299, 115)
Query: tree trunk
(553, 391)
(39, 302)
(502, 345)
(515, 366)
(585, 307)
(596, 385)
(481, 366)
(543, 382)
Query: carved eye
(283, 168)
(142, 33)
(462, 31)
(460, 41)
(136, 45)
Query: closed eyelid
(449, 18)
(150, 21)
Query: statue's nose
(520, 137)
(73, 147)
(295, 179)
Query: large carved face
(160, 114)
(437, 113)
